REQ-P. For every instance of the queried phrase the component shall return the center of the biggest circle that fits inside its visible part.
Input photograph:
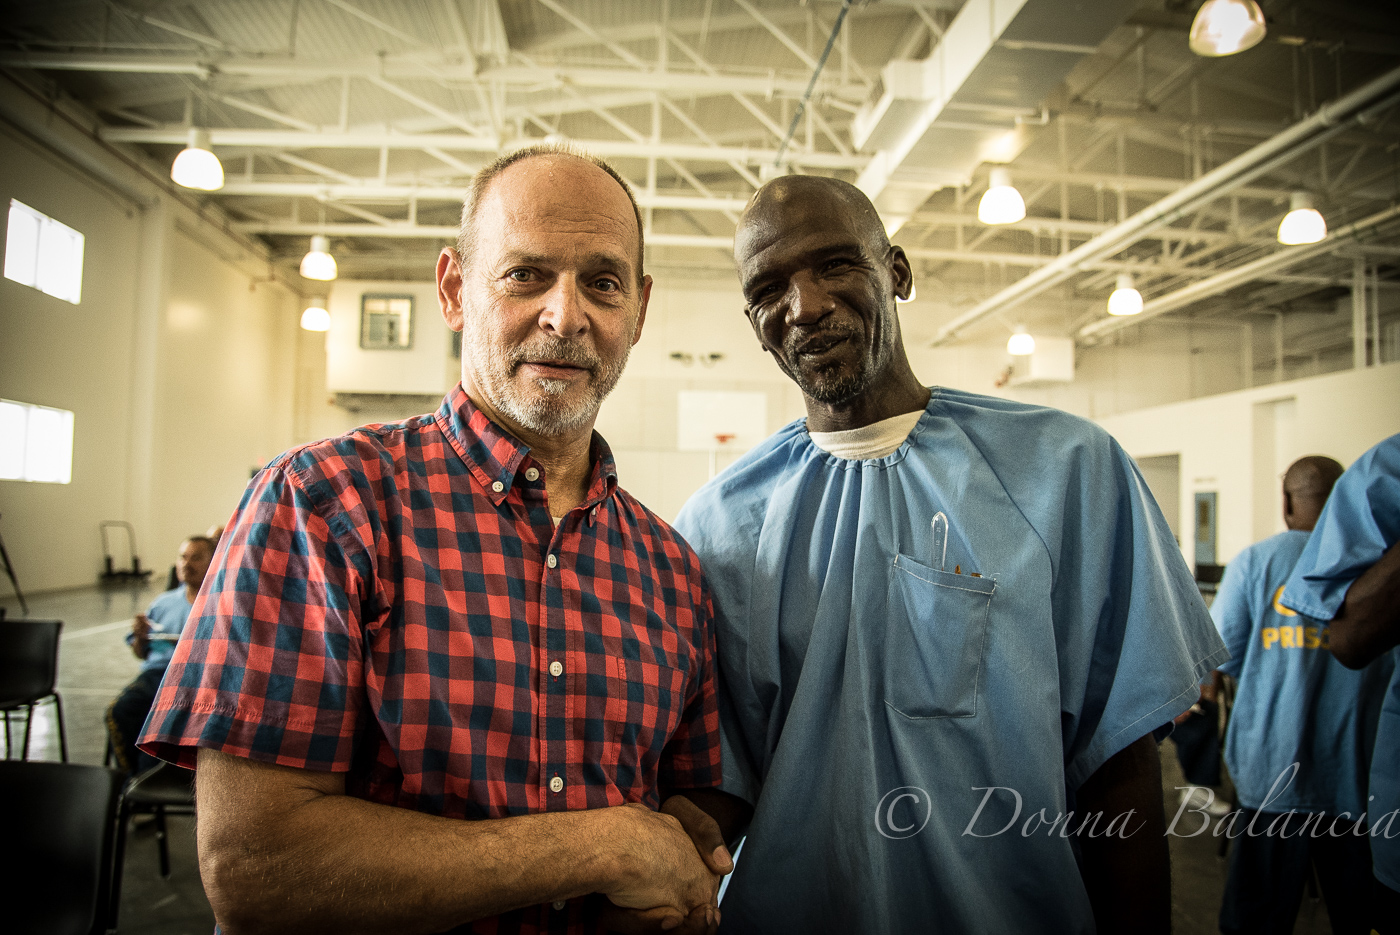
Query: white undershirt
(869, 441)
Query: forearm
(331, 862)
(1368, 622)
(1128, 873)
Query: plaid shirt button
(532, 474)
(559, 904)
(556, 785)
(556, 668)
(552, 562)
(497, 486)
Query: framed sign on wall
(386, 322)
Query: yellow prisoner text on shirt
(1295, 637)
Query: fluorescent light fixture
(197, 166)
(1020, 343)
(36, 443)
(1302, 223)
(1001, 203)
(43, 253)
(1125, 300)
(315, 317)
(318, 262)
(1224, 27)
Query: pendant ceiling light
(1001, 203)
(318, 262)
(315, 317)
(1224, 27)
(1125, 300)
(197, 166)
(1302, 223)
(1020, 343)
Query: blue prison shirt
(909, 733)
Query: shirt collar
(494, 456)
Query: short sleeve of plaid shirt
(397, 604)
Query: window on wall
(36, 443)
(43, 253)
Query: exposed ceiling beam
(1249, 272)
(1331, 119)
(369, 191)
(295, 139)
(536, 76)
(1070, 225)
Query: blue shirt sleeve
(1231, 611)
(1123, 589)
(1360, 521)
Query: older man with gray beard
(448, 673)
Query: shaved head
(769, 204)
(1306, 486)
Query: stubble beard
(546, 412)
(833, 386)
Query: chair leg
(28, 723)
(62, 737)
(162, 843)
(118, 864)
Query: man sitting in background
(152, 638)
(1300, 737)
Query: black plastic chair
(163, 789)
(28, 668)
(60, 825)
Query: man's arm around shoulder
(286, 850)
(1368, 622)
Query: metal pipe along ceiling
(1242, 274)
(1299, 138)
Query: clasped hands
(673, 861)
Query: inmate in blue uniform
(908, 733)
(1296, 704)
(1359, 523)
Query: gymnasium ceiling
(365, 119)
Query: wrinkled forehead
(562, 197)
(784, 222)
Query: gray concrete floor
(95, 663)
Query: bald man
(449, 674)
(950, 627)
(1300, 737)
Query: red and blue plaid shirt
(398, 604)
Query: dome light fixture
(197, 166)
(1021, 343)
(318, 262)
(1302, 223)
(1001, 203)
(315, 317)
(1125, 300)
(1224, 27)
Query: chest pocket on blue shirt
(933, 645)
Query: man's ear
(642, 314)
(449, 288)
(900, 272)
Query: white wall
(426, 367)
(1238, 444)
(181, 363)
(76, 357)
